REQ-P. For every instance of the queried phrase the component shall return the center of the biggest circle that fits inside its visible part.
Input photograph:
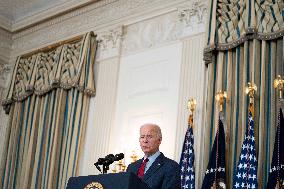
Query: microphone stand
(105, 168)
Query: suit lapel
(137, 165)
(154, 167)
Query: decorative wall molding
(5, 23)
(5, 70)
(193, 15)
(60, 9)
(5, 45)
(97, 17)
(109, 43)
(151, 33)
(187, 20)
(97, 13)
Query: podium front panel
(107, 181)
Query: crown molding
(100, 17)
(43, 16)
(5, 23)
(5, 44)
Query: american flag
(187, 159)
(276, 173)
(215, 174)
(246, 173)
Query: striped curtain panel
(48, 102)
(244, 44)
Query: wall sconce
(220, 97)
(278, 83)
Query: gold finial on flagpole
(220, 97)
(251, 90)
(279, 83)
(191, 106)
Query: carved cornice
(5, 34)
(5, 23)
(5, 70)
(193, 15)
(109, 43)
(152, 33)
(106, 14)
(61, 19)
(43, 16)
(99, 16)
(5, 44)
(187, 20)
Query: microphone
(118, 157)
(107, 160)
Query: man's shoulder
(169, 161)
(136, 163)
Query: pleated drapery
(48, 102)
(244, 44)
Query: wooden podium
(107, 181)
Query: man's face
(149, 139)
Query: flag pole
(245, 175)
(278, 84)
(187, 155)
(220, 98)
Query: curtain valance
(231, 22)
(66, 66)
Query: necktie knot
(141, 169)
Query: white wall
(147, 93)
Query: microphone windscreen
(119, 156)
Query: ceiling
(15, 10)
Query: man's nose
(145, 140)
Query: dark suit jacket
(164, 173)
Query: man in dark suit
(158, 171)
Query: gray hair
(156, 127)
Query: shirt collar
(151, 160)
(153, 157)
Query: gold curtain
(244, 44)
(48, 101)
